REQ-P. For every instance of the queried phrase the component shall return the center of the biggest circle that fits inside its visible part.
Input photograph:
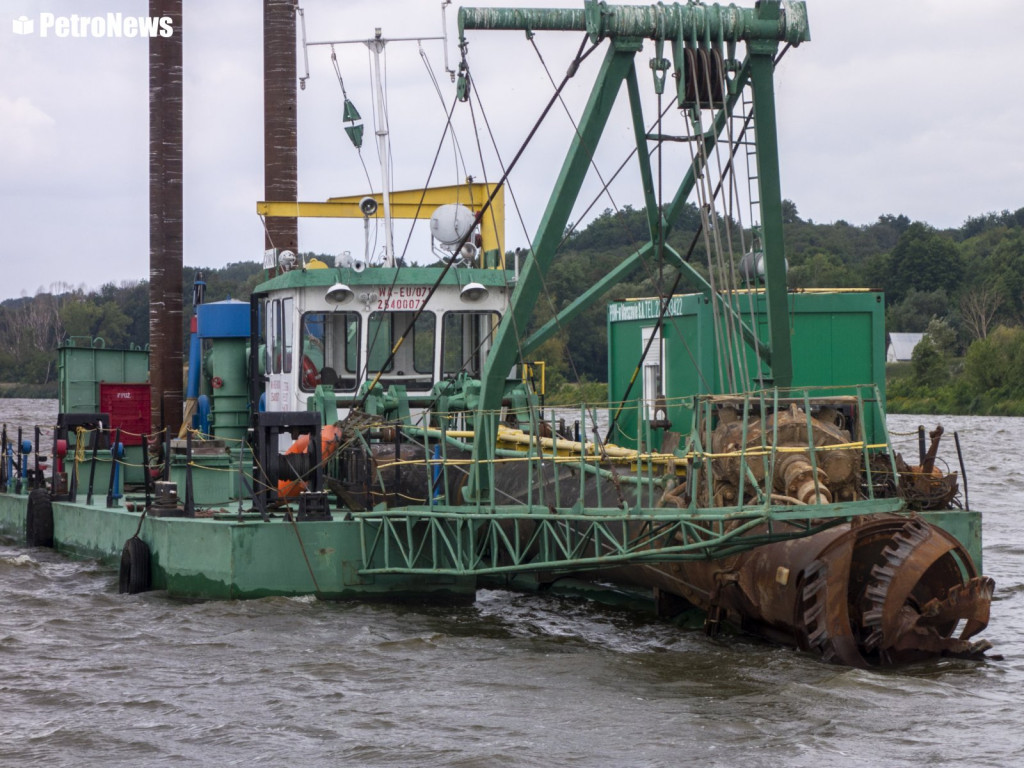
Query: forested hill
(958, 284)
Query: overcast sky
(910, 107)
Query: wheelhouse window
(272, 340)
(279, 335)
(413, 363)
(465, 340)
(330, 350)
(286, 332)
(653, 368)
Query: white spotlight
(338, 293)
(473, 292)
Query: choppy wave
(95, 678)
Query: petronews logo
(110, 25)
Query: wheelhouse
(386, 326)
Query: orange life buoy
(330, 438)
(310, 373)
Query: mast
(280, 143)
(165, 218)
(376, 47)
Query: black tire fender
(39, 519)
(134, 573)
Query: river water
(91, 677)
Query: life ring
(310, 373)
(330, 439)
(39, 519)
(133, 576)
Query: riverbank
(905, 394)
(952, 392)
(28, 391)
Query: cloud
(891, 107)
(26, 134)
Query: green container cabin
(837, 338)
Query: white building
(901, 346)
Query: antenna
(444, 37)
(376, 45)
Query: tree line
(32, 327)
(963, 287)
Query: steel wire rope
(660, 149)
(522, 223)
(581, 55)
(716, 266)
(576, 129)
(532, 416)
(401, 260)
(727, 265)
(698, 189)
(515, 204)
(751, 274)
(573, 67)
(693, 244)
(391, 165)
(644, 264)
(650, 274)
(700, 160)
(751, 269)
(686, 257)
(486, 206)
(728, 224)
(456, 145)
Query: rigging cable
(735, 143)
(576, 129)
(700, 171)
(486, 206)
(456, 146)
(517, 332)
(726, 265)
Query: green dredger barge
(369, 430)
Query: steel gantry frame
(684, 28)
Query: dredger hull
(872, 590)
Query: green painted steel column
(505, 352)
(762, 68)
(602, 286)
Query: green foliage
(941, 335)
(976, 225)
(568, 394)
(31, 328)
(917, 310)
(990, 380)
(923, 260)
(822, 270)
(931, 365)
(994, 366)
(955, 286)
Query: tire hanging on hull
(39, 519)
(134, 574)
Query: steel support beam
(504, 354)
(762, 69)
(405, 204)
